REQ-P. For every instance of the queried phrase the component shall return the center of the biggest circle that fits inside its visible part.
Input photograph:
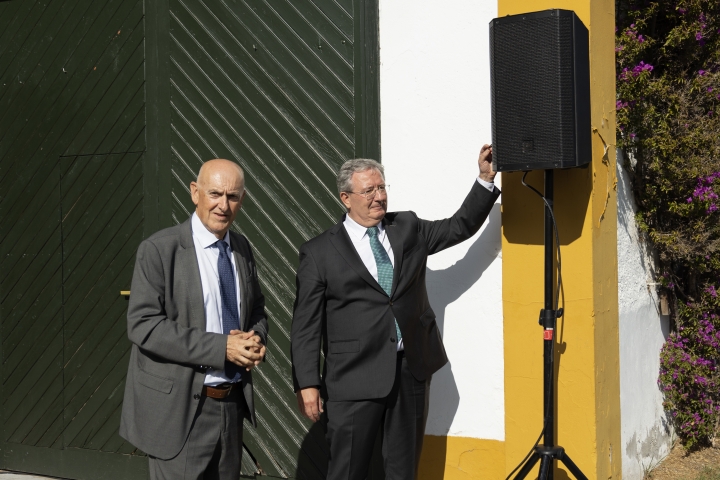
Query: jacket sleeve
(308, 315)
(442, 234)
(149, 327)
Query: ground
(695, 466)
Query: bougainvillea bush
(668, 120)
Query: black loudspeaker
(540, 83)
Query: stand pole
(548, 363)
(548, 451)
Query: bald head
(217, 194)
(220, 166)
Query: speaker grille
(533, 91)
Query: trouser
(213, 448)
(352, 429)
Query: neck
(367, 223)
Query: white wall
(645, 434)
(435, 116)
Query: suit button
(196, 396)
(391, 303)
(392, 339)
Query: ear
(345, 199)
(194, 193)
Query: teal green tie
(384, 267)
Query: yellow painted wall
(460, 458)
(588, 415)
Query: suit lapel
(397, 246)
(342, 243)
(187, 266)
(242, 279)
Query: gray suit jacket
(171, 349)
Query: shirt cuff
(489, 185)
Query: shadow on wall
(572, 195)
(444, 287)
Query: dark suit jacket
(340, 305)
(171, 349)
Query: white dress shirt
(361, 241)
(489, 185)
(207, 256)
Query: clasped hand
(244, 349)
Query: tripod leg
(527, 467)
(572, 467)
(545, 466)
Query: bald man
(197, 322)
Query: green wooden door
(288, 89)
(71, 216)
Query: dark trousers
(213, 448)
(352, 429)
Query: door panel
(102, 220)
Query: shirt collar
(204, 236)
(357, 230)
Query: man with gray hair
(361, 295)
(197, 322)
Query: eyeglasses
(370, 193)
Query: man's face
(365, 211)
(218, 196)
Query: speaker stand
(548, 452)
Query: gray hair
(344, 176)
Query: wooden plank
(100, 287)
(277, 179)
(12, 15)
(50, 125)
(30, 405)
(110, 88)
(157, 192)
(340, 13)
(53, 61)
(103, 205)
(242, 112)
(274, 73)
(73, 463)
(319, 41)
(106, 437)
(60, 120)
(134, 120)
(89, 411)
(39, 312)
(27, 42)
(367, 80)
(32, 228)
(279, 43)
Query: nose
(223, 202)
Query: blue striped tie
(228, 298)
(384, 267)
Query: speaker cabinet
(540, 83)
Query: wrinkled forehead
(224, 179)
(367, 178)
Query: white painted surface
(645, 435)
(435, 116)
